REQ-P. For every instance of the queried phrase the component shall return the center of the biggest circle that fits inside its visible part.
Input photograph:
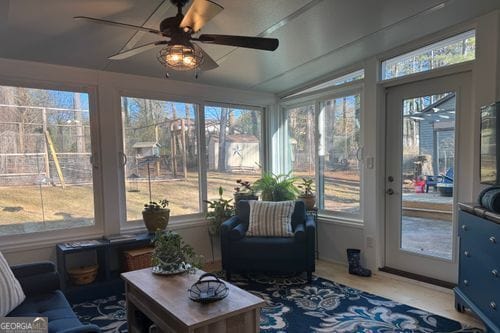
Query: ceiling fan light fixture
(181, 57)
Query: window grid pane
(234, 148)
(160, 143)
(301, 141)
(46, 180)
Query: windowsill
(342, 221)
(25, 242)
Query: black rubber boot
(354, 256)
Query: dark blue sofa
(40, 283)
(268, 254)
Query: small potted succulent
(243, 191)
(171, 255)
(156, 215)
(219, 210)
(307, 195)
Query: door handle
(390, 191)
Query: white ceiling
(316, 36)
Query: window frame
(187, 219)
(343, 90)
(17, 241)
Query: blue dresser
(479, 267)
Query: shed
(242, 152)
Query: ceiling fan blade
(153, 19)
(119, 25)
(208, 63)
(260, 43)
(200, 12)
(136, 50)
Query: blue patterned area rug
(295, 306)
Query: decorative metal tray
(209, 288)
(180, 269)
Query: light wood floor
(420, 295)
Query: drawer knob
(464, 227)
(466, 282)
(494, 272)
(467, 253)
(493, 305)
(493, 239)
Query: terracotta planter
(309, 201)
(156, 220)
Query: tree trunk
(222, 140)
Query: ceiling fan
(180, 53)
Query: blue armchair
(268, 254)
(437, 181)
(40, 283)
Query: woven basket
(138, 258)
(83, 275)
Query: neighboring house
(242, 152)
(437, 133)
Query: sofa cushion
(270, 219)
(52, 305)
(10, 289)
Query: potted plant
(171, 255)
(243, 191)
(307, 195)
(276, 187)
(156, 215)
(219, 210)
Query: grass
(21, 208)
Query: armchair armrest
(37, 278)
(310, 240)
(237, 232)
(300, 232)
(229, 225)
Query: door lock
(390, 179)
(390, 191)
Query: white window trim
(314, 99)
(10, 241)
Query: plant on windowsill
(276, 187)
(171, 255)
(307, 195)
(156, 215)
(219, 210)
(243, 191)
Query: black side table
(314, 213)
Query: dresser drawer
(478, 228)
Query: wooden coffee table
(164, 301)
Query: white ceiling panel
(316, 37)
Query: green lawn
(74, 204)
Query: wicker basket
(83, 275)
(138, 258)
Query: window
(454, 50)
(339, 131)
(234, 148)
(161, 148)
(301, 141)
(354, 76)
(46, 179)
(324, 143)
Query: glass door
(421, 170)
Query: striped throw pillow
(10, 290)
(270, 219)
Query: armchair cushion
(270, 219)
(37, 278)
(10, 289)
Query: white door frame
(396, 258)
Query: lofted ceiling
(316, 37)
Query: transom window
(454, 50)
